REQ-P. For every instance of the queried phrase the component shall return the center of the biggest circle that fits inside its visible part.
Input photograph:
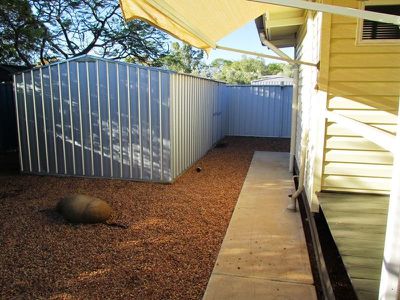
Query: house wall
(363, 84)
(307, 129)
(359, 81)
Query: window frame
(360, 25)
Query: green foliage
(246, 70)
(20, 35)
(280, 69)
(183, 58)
(33, 30)
(45, 30)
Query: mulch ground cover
(167, 252)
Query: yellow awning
(200, 23)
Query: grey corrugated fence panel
(197, 117)
(8, 124)
(100, 118)
(261, 111)
(95, 118)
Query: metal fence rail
(261, 111)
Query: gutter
(271, 46)
(304, 141)
(267, 43)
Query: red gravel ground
(168, 251)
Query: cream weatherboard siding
(364, 84)
(359, 81)
(308, 49)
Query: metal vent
(381, 31)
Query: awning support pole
(289, 60)
(391, 256)
(335, 9)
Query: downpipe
(293, 198)
(300, 188)
(294, 116)
(279, 52)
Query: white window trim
(360, 23)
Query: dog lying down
(85, 209)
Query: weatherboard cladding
(308, 102)
(364, 84)
(100, 118)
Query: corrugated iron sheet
(95, 118)
(260, 111)
(100, 118)
(198, 118)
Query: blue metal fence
(260, 111)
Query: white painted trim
(360, 25)
(334, 9)
(294, 117)
(391, 256)
(324, 38)
(321, 100)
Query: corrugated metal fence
(95, 118)
(261, 111)
(100, 118)
(197, 106)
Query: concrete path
(264, 253)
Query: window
(373, 31)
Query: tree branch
(98, 31)
(65, 33)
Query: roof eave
(280, 31)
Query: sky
(245, 38)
